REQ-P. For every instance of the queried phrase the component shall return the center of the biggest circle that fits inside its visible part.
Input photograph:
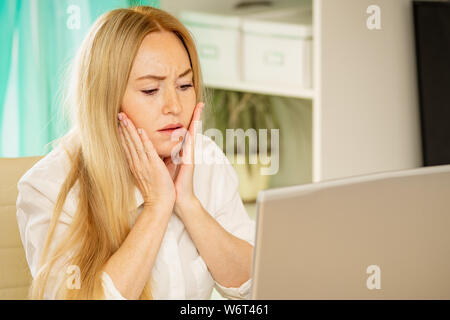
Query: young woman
(109, 213)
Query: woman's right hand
(150, 172)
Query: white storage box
(277, 48)
(218, 40)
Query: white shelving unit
(284, 91)
(364, 96)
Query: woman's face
(160, 89)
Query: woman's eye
(149, 92)
(153, 91)
(186, 86)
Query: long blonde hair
(106, 187)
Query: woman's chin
(167, 150)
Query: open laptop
(379, 236)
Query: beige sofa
(15, 277)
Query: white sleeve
(234, 218)
(34, 211)
(111, 292)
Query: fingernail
(119, 116)
(139, 130)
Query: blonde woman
(109, 213)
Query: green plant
(245, 110)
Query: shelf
(286, 91)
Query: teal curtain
(38, 38)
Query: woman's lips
(167, 131)
(170, 131)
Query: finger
(135, 138)
(134, 155)
(188, 147)
(196, 117)
(179, 135)
(125, 146)
(194, 127)
(148, 146)
(186, 153)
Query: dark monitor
(432, 36)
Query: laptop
(378, 236)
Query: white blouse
(179, 271)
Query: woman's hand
(151, 175)
(184, 171)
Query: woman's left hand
(183, 173)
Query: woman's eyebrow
(150, 76)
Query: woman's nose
(171, 102)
